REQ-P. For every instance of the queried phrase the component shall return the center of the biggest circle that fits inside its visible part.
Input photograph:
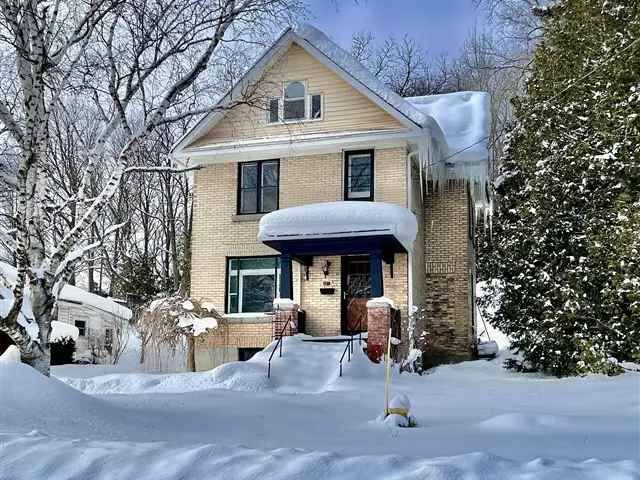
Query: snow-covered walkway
(476, 421)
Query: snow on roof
(353, 67)
(340, 219)
(73, 294)
(60, 330)
(457, 124)
(464, 120)
(69, 293)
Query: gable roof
(318, 45)
(457, 124)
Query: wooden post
(286, 276)
(387, 380)
(191, 353)
(375, 259)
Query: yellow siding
(344, 109)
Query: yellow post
(387, 380)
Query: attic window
(295, 94)
(316, 107)
(274, 107)
(295, 105)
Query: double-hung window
(258, 185)
(296, 104)
(358, 175)
(252, 284)
(81, 325)
(295, 98)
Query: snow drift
(305, 367)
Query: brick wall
(221, 345)
(219, 233)
(323, 311)
(449, 265)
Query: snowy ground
(476, 421)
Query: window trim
(347, 154)
(227, 279)
(321, 117)
(259, 210)
(278, 112)
(307, 105)
(304, 99)
(82, 331)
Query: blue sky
(438, 25)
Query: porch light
(325, 268)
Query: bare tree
(141, 60)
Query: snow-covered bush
(167, 326)
(62, 350)
(415, 323)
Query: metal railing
(348, 350)
(275, 347)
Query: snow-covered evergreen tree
(567, 236)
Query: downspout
(410, 157)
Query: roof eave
(287, 37)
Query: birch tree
(142, 60)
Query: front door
(356, 290)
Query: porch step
(335, 339)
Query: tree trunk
(42, 362)
(42, 304)
(191, 354)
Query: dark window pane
(257, 263)
(359, 176)
(294, 90)
(360, 184)
(233, 304)
(249, 175)
(273, 111)
(316, 106)
(249, 201)
(269, 199)
(252, 287)
(257, 293)
(233, 283)
(293, 109)
(82, 327)
(270, 174)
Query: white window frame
(280, 111)
(310, 106)
(296, 99)
(308, 98)
(250, 272)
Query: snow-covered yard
(476, 421)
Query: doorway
(356, 290)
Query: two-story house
(330, 190)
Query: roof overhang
(292, 146)
(268, 58)
(338, 228)
(303, 249)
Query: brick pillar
(450, 275)
(378, 322)
(285, 309)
